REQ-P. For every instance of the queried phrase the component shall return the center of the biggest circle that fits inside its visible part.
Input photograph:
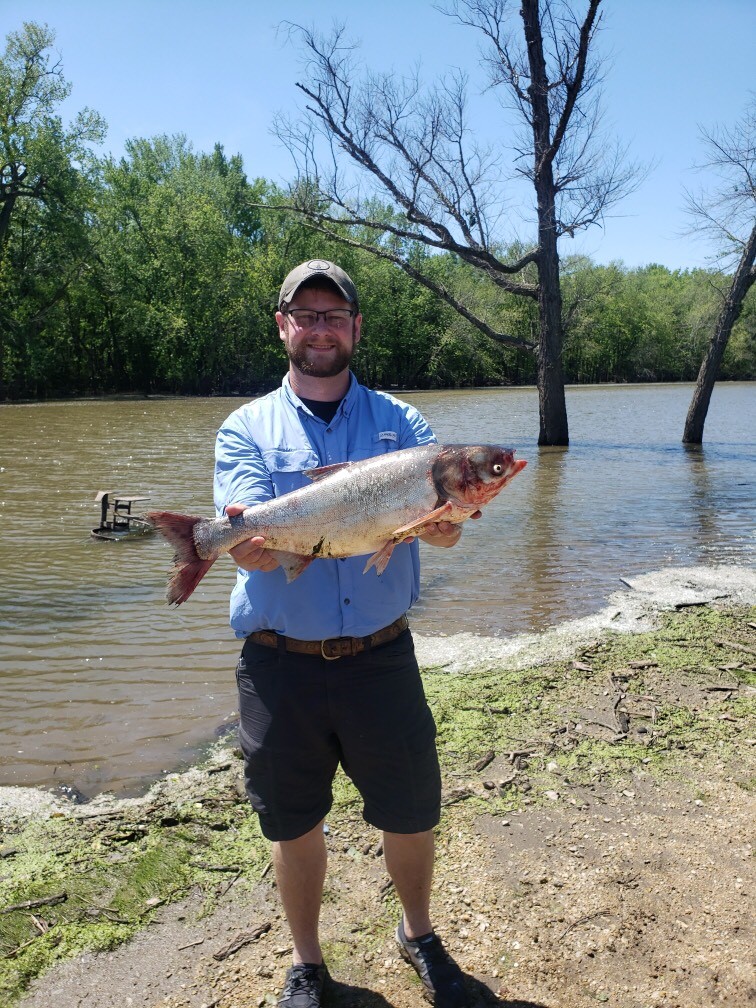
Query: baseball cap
(318, 268)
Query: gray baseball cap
(318, 268)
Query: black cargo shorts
(303, 715)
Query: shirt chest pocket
(287, 467)
(374, 444)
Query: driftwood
(734, 646)
(31, 904)
(485, 760)
(242, 939)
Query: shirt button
(347, 601)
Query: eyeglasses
(336, 318)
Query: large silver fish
(349, 509)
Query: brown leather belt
(331, 647)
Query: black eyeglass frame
(350, 313)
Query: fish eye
(497, 469)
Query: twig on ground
(485, 760)
(734, 646)
(583, 920)
(30, 904)
(242, 939)
(182, 948)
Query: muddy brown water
(106, 688)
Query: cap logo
(318, 265)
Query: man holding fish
(328, 674)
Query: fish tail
(188, 566)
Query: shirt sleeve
(240, 473)
(415, 429)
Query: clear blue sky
(218, 71)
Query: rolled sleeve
(241, 476)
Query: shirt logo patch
(387, 435)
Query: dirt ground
(628, 900)
(572, 869)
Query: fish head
(472, 475)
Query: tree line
(158, 272)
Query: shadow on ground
(341, 995)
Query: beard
(315, 365)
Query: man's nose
(320, 323)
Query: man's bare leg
(409, 860)
(300, 873)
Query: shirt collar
(347, 403)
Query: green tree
(48, 178)
(174, 229)
(40, 159)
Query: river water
(106, 688)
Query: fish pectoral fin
(292, 563)
(380, 559)
(322, 471)
(437, 515)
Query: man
(328, 674)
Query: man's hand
(250, 555)
(443, 533)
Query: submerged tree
(729, 214)
(413, 147)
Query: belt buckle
(334, 657)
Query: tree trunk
(551, 401)
(5, 217)
(552, 406)
(728, 316)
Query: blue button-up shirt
(261, 452)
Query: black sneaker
(442, 978)
(304, 986)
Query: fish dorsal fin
(322, 471)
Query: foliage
(48, 177)
(159, 273)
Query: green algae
(690, 651)
(113, 870)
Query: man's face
(321, 350)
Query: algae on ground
(112, 869)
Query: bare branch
(727, 213)
(410, 146)
(426, 281)
(573, 77)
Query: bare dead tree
(729, 215)
(367, 138)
